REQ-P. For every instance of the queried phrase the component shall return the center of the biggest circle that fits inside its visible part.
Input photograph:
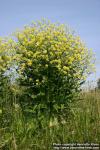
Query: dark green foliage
(98, 83)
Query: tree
(52, 65)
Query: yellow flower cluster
(51, 43)
(43, 44)
(29, 62)
(6, 54)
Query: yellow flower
(65, 73)
(56, 61)
(29, 63)
(0, 111)
(66, 68)
(22, 66)
(37, 80)
(30, 79)
(46, 65)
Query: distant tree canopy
(98, 83)
(52, 64)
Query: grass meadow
(20, 132)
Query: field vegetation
(42, 70)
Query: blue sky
(81, 15)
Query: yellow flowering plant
(5, 54)
(7, 49)
(53, 63)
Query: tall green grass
(20, 132)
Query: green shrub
(52, 64)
